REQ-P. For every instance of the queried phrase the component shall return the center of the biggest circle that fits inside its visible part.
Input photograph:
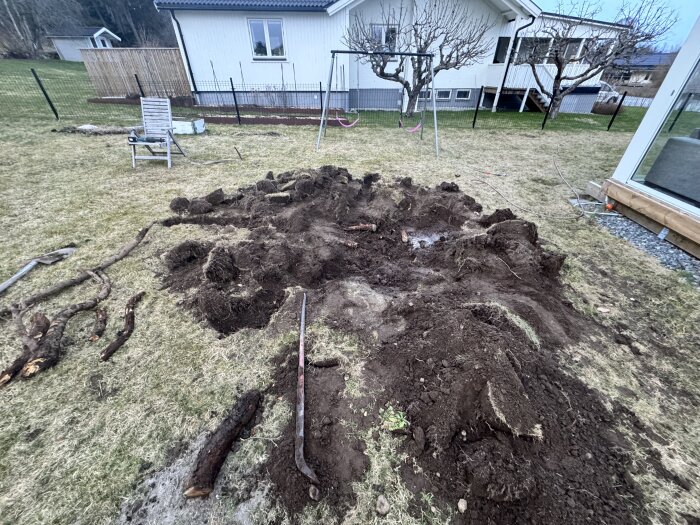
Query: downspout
(184, 49)
(508, 61)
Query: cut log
(124, 334)
(30, 340)
(100, 324)
(213, 454)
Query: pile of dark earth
(460, 315)
(650, 243)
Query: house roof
(650, 61)
(87, 31)
(583, 19)
(246, 5)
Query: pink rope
(347, 125)
(412, 130)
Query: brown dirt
(492, 417)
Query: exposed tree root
(217, 447)
(125, 333)
(41, 342)
(82, 277)
(100, 324)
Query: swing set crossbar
(324, 113)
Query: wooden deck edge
(654, 215)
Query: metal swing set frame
(327, 97)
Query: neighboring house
(258, 43)
(644, 70)
(69, 42)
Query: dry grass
(74, 438)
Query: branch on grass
(100, 324)
(125, 333)
(41, 342)
(23, 304)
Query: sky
(688, 12)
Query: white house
(69, 42)
(262, 45)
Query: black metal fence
(73, 97)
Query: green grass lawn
(69, 87)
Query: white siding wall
(223, 38)
(69, 48)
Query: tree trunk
(555, 106)
(125, 333)
(413, 101)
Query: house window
(385, 36)
(424, 95)
(266, 37)
(463, 94)
(572, 47)
(533, 50)
(501, 50)
(443, 94)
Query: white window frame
(384, 27)
(655, 118)
(468, 97)
(268, 47)
(438, 97)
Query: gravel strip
(667, 254)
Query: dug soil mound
(460, 316)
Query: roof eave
(237, 8)
(591, 21)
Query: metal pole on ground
(324, 110)
(235, 101)
(546, 115)
(138, 83)
(478, 103)
(432, 95)
(46, 95)
(617, 110)
(320, 95)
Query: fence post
(138, 83)
(546, 115)
(680, 111)
(46, 95)
(478, 103)
(235, 101)
(617, 110)
(320, 95)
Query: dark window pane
(501, 50)
(463, 94)
(257, 34)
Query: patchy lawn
(77, 440)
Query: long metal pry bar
(299, 435)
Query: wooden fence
(114, 72)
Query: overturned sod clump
(460, 317)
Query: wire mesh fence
(73, 97)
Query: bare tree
(571, 39)
(446, 28)
(25, 23)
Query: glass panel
(377, 35)
(257, 33)
(390, 38)
(572, 47)
(672, 163)
(274, 29)
(501, 50)
(463, 94)
(444, 94)
(533, 49)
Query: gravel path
(668, 255)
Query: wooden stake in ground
(218, 445)
(41, 344)
(124, 334)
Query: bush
(605, 108)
